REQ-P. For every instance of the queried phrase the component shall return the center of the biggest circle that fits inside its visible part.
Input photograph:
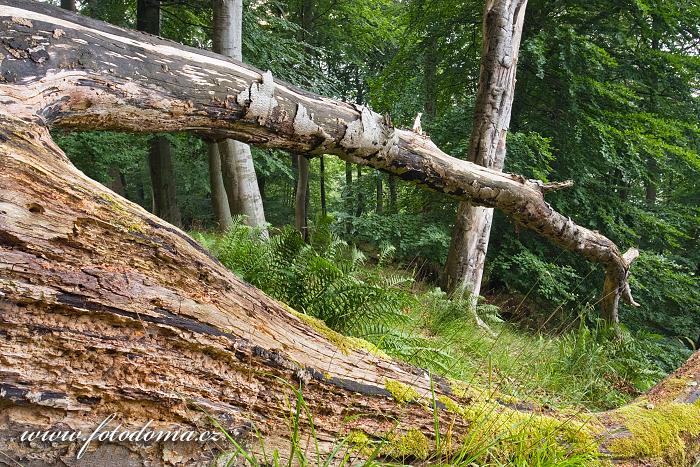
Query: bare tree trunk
(348, 196)
(380, 194)
(430, 61)
(106, 308)
(503, 23)
(322, 177)
(228, 40)
(230, 178)
(117, 183)
(219, 201)
(163, 183)
(392, 194)
(301, 199)
(68, 5)
(160, 163)
(360, 195)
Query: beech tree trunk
(301, 197)
(68, 5)
(360, 199)
(380, 194)
(392, 195)
(163, 183)
(160, 161)
(228, 40)
(219, 200)
(322, 186)
(503, 23)
(105, 308)
(348, 196)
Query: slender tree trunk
(76, 88)
(261, 185)
(219, 201)
(651, 184)
(160, 163)
(348, 196)
(117, 183)
(230, 178)
(360, 194)
(393, 208)
(430, 61)
(380, 194)
(163, 184)
(503, 22)
(301, 197)
(68, 5)
(322, 176)
(228, 40)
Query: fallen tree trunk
(95, 76)
(107, 309)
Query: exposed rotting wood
(105, 308)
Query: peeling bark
(105, 308)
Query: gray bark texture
(236, 156)
(503, 24)
(219, 200)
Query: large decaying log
(104, 308)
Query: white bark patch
(304, 124)
(259, 98)
(21, 15)
(367, 133)
(22, 21)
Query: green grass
(497, 437)
(575, 365)
(575, 368)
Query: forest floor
(571, 364)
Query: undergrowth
(498, 436)
(581, 365)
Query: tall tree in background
(503, 22)
(322, 185)
(301, 201)
(219, 199)
(160, 162)
(236, 157)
